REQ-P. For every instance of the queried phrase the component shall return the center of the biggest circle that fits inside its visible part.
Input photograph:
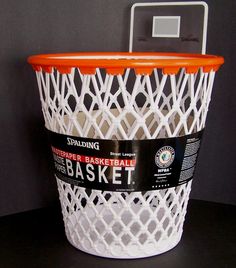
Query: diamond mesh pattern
(129, 106)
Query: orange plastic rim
(116, 62)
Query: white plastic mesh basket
(108, 104)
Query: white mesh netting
(129, 106)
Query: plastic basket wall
(128, 106)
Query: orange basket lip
(125, 60)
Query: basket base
(115, 249)
(142, 255)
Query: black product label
(125, 165)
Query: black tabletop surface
(36, 239)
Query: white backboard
(169, 27)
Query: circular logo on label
(165, 157)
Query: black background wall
(31, 27)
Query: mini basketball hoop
(148, 107)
